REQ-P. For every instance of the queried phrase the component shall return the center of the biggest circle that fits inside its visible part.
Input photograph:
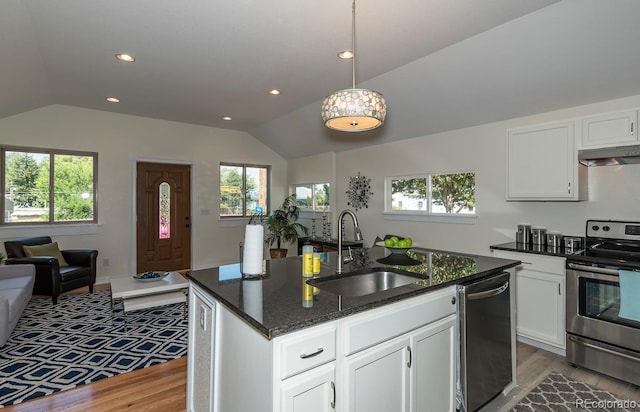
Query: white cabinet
(312, 391)
(610, 129)
(304, 370)
(415, 372)
(542, 164)
(378, 378)
(398, 357)
(540, 300)
(201, 350)
(434, 357)
(402, 358)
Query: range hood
(610, 156)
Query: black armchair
(51, 279)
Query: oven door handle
(600, 348)
(594, 269)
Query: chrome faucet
(356, 233)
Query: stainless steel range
(603, 318)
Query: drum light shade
(354, 110)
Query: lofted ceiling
(441, 64)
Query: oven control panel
(613, 229)
(633, 230)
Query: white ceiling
(441, 64)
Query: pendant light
(354, 110)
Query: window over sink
(432, 196)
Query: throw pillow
(47, 249)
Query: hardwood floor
(162, 388)
(159, 388)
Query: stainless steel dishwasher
(485, 341)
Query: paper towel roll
(252, 250)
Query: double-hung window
(243, 190)
(47, 186)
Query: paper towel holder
(248, 276)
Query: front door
(163, 228)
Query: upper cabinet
(610, 129)
(542, 164)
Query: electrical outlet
(105, 262)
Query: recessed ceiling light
(227, 118)
(112, 100)
(125, 57)
(274, 92)
(345, 54)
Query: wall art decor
(359, 191)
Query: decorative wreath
(359, 191)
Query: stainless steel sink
(364, 283)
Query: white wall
(614, 191)
(313, 169)
(120, 141)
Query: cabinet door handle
(410, 357)
(333, 389)
(569, 188)
(311, 355)
(632, 128)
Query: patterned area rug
(79, 340)
(559, 393)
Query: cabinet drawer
(307, 350)
(382, 324)
(549, 264)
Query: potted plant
(282, 227)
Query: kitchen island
(255, 346)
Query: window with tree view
(314, 196)
(48, 186)
(243, 189)
(452, 193)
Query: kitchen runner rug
(79, 340)
(559, 393)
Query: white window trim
(415, 216)
(423, 216)
(234, 221)
(58, 229)
(313, 208)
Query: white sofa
(16, 287)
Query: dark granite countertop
(273, 304)
(534, 249)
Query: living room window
(243, 190)
(48, 186)
(448, 194)
(313, 196)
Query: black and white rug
(559, 393)
(79, 340)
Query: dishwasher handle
(488, 293)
